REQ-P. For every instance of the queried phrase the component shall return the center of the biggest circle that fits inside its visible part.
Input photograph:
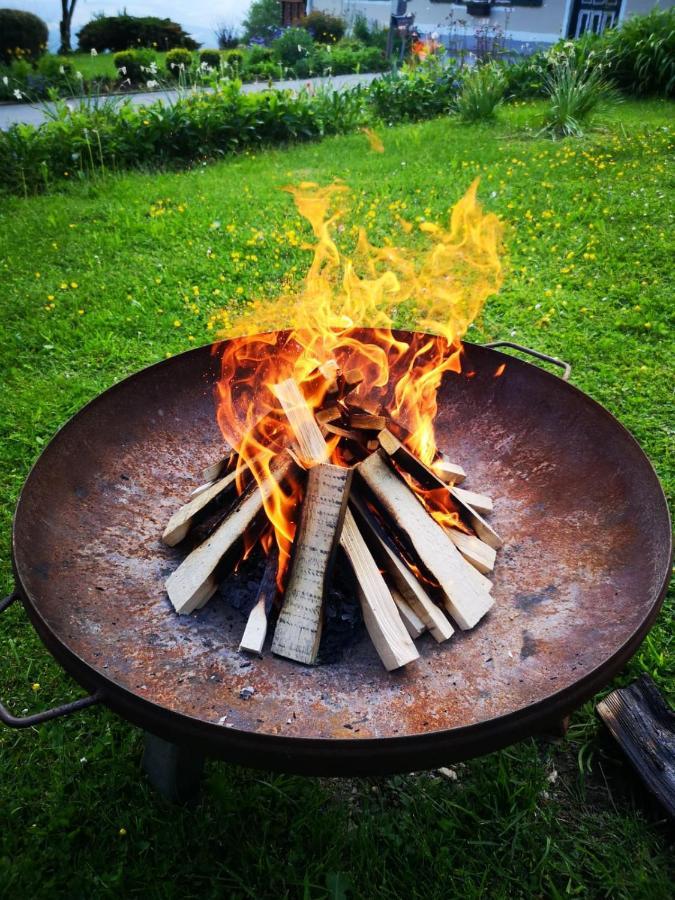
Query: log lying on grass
(466, 601)
(406, 583)
(194, 581)
(383, 622)
(255, 632)
(180, 522)
(298, 630)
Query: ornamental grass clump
(576, 90)
(482, 93)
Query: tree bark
(67, 10)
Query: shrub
(258, 54)
(412, 94)
(293, 44)
(136, 65)
(227, 36)
(210, 57)
(56, 68)
(262, 20)
(235, 58)
(177, 61)
(23, 35)
(324, 28)
(482, 92)
(124, 31)
(525, 77)
(640, 55)
(575, 92)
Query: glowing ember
(442, 288)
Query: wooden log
(367, 422)
(342, 432)
(328, 415)
(480, 502)
(413, 624)
(366, 405)
(195, 492)
(298, 629)
(466, 602)
(406, 583)
(644, 727)
(253, 638)
(428, 479)
(194, 581)
(210, 473)
(180, 522)
(383, 622)
(448, 471)
(301, 419)
(477, 552)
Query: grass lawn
(110, 275)
(103, 65)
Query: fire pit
(580, 579)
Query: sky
(198, 17)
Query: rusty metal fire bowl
(578, 584)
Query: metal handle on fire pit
(566, 367)
(56, 711)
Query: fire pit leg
(174, 771)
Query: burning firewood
(386, 630)
(466, 602)
(298, 629)
(478, 502)
(180, 522)
(254, 634)
(194, 581)
(216, 468)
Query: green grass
(102, 65)
(589, 247)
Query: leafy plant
(22, 35)
(211, 58)
(427, 90)
(136, 65)
(177, 61)
(576, 91)
(125, 31)
(227, 36)
(292, 45)
(482, 93)
(640, 55)
(324, 28)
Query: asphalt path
(36, 114)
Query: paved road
(27, 113)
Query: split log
(428, 479)
(342, 432)
(194, 581)
(380, 615)
(180, 522)
(413, 624)
(200, 489)
(480, 502)
(448, 471)
(466, 602)
(255, 632)
(363, 405)
(298, 629)
(215, 469)
(301, 419)
(328, 415)
(477, 552)
(407, 584)
(383, 622)
(367, 422)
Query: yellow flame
(442, 287)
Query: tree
(262, 20)
(67, 10)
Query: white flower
(18, 94)
(152, 84)
(122, 70)
(94, 51)
(79, 75)
(62, 71)
(152, 68)
(5, 80)
(204, 66)
(143, 69)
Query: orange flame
(443, 288)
